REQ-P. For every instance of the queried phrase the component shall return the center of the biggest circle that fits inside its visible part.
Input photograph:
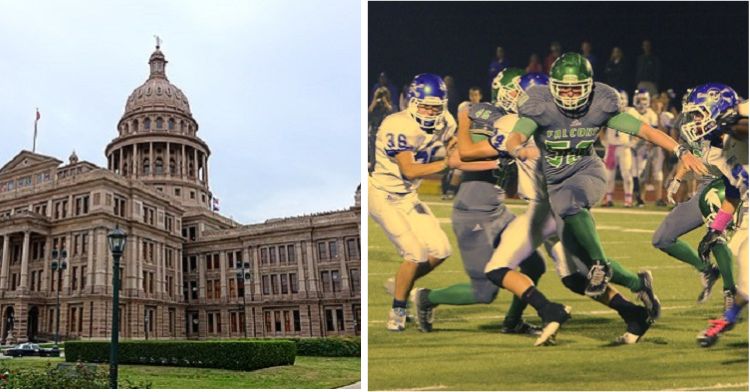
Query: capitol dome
(156, 92)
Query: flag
(215, 204)
(38, 116)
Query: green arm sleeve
(525, 126)
(624, 122)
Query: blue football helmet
(641, 100)
(707, 106)
(427, 89)
(533, 79)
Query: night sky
(696, 42)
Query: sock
(609, 197)
(398, 304)
(624, 277)
(731, 314)
(724, 260)
(636, 188)
(628, 198)
(533, 267)
(685, 253)
(623, 307)
(535, 298)
(721, 221)
(458, 294)
(581, 227)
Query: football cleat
(599, 276)
(709, 336)
(553, 315)
(608, 204)
(647, 296)
(638, 324)
(661, 203)
(396, 320)
(425, 314)
(728, 299)
(390, 288)
(639, 202)
(521, 328)
(708, 279)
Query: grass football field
(466, 351)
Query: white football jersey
(531, 183)
(720, 161)
(400, 132)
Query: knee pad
(575, 283)
(496, 276)
(660, 240)
(533, 266)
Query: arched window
(135, 125)
(182, 126)
(147, 124)
(159, 123)
(127, 128)
(170, 124)
(146, 166)
(172, 167)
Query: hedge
(232, 355)
(328, 347)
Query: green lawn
(307, 372)
(466, 351)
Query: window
(282, 254)
(267, 316)
(293, 282)
(168, 222)
(81, 204)
(297, 324)
(209, 289)
(159, 167)
(33, 280)
(170, 124)
(272, 254)
(232, 288)
(217, 289)
(333, 250)
(266, 285)
(325, 277)
(354, 280)
(146, 166)
(334, 319)
(277, 321)
(290, 253)
(74, 281)
(322, 253)
(284, 284)
(193, 290)
(147, 124)
(119, 208)
(352, 249)
(83, 277)
(148, 215)
(159, 123)
(214, 322)
(275, 283)
(264, 255)
(172, 321)
(336, 279)
(287, 321)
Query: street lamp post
(117, 239)
(244, 275)
(59, 264)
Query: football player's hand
(672, 188)
(711, 238)
(693, 164)
(453, 159)
(528, 152)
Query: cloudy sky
(274, 86)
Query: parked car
(31, 349)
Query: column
(345, 288)
(300, 271)
(151, 162)
(205, 169)
(248, 282)
(68, 271)
(256, 271)
(311, 271)
(166, 163)
(160, 271)
(138, 261)
(119, 164)
(202, 279)
(223, 269)
(195, 164)
(101, 265)
(178, 275)
(46, 260)
(134, 161)
(90, 261)
(182, 162)
(136, 155)
(5, 263)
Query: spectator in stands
(452, 95)
(555, 50)
(648, 69)
(535, 64)
(615, 72)
(403, 99)
(498, 64)
(380, 107)
(586, 52)
(383, 82)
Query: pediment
(26, 159)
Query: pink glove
(609, 158)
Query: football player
(618, 155)
(405, 145)
(537, 225)
(479, 217)
(642, 151)
(564, 121)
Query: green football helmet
(506, 89)
(710, 202)
(571, 70)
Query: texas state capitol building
(179, 270)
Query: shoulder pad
(534, 101)
(606, 98)
(482, 111)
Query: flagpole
(36, 120)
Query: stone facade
(182, 270)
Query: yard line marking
(431, 272)
(717, 386)
(430, 388)
(590, 312)
(627, 211)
